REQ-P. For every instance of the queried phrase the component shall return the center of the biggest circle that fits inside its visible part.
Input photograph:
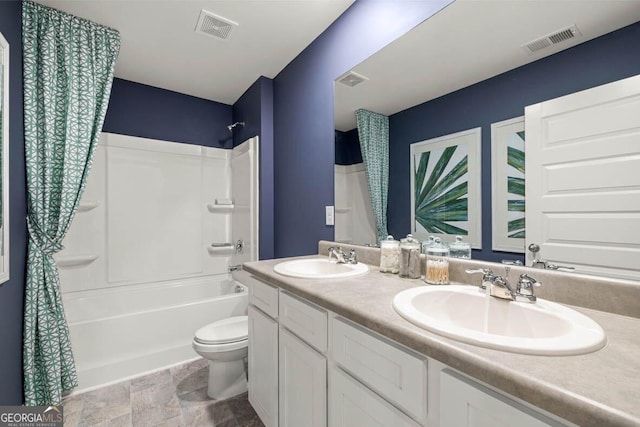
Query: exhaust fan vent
(213, 25)
(552, 39)
(352, 79)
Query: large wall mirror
(446, 76)
(4, 157)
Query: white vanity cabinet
(263, 350)
(310, 367)
(302, 364)
(465, 403)
(396, 374)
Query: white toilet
(224, 345)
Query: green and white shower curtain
(68, 71)
(373, 132)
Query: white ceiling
(160, 47)
(467, 42)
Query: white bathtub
(126, 331)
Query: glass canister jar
(437, 264)
(460, 249)
(410, 257)
(426, 244)
(389, 255)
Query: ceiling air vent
(552, 39)
(213, 25)
(351, 79)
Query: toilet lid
(223, 331)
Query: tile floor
(169, 398)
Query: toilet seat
(226, 331)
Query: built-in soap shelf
(221, 249)
(343, 210)
(70, 261)
(88, 205)
(220, 208)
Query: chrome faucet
(341, 257)
(545, 265)
(499, 286)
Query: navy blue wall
(602, 60)
(12, 292)
(303, 115)
(348, 148)
(255, 109)
(149, 112)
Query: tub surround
(590, 390)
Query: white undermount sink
(466, 314)
(319, 268)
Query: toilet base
(226, 379)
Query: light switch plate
(329, 215)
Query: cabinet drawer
(305, 320)
(392, 372)
(353, 404)
(263, 296)
(466, 403)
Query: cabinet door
(303, 384)
(263, 366)
(466, 403)
(352, 404)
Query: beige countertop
(596, 389)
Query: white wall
(354, 222)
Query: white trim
(500, 240)
(4, 62)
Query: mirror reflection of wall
(432, 86)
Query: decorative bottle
(410, 257)
(389, 255)
(437, 264)
(460, 249)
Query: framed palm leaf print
(507, 185)
(445, 187)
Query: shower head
(230, 127)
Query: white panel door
(303, 384)
(263, 366)
(583, 179)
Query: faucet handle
(487, 275)
(525, 287)
(478, 270)
(353, 257)
(551, 266)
